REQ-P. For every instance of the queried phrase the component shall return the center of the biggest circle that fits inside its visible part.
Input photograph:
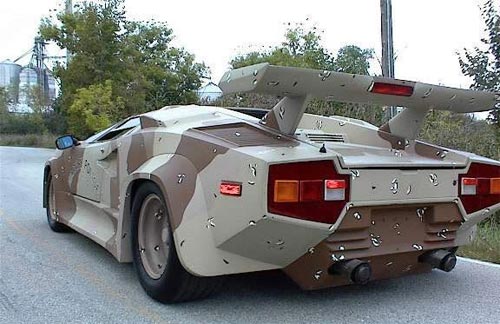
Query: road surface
(46, 277)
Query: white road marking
(494, 265)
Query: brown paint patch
(114, 192)
(148, 122)
(178, 181)
(270, 120)
(385, 128)
(391, 238)
(137, 152)
(242, 134)
(201, 149)
(397, 142)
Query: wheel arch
(165, 176)
(46, 172)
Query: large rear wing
(297, 85)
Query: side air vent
(326, 137)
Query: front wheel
(52, 214)
(155, 258)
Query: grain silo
(9, 77)
(28, 79)
(51, 86)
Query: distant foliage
(145, 70)
(461, 132)
(11, 123)
(483, 64)
(3, 101)
(464, 132)
(302, 48)
(22, 124)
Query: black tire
(52, 217)
(173, 283)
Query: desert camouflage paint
(403, 192)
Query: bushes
(462, 132)
(22, 124)
(31, 140)
(46, 123)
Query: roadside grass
(486, 245)
(31, 140)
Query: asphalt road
(47, 277)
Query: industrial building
(209, 92)
(21, 82)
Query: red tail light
(391, 89)
(480, 187)
(230, 188)
(307, 190)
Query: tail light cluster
(480, 187)
(307, 190)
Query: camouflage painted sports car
(191, 193)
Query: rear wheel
(52, 214)
(158, 267)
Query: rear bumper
(389, 238)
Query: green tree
(145, 70)
(353, 59)
(447, 129)
(483, 65)
(302, 48)
(92, 109)
(3, 102)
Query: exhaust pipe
(358, 272)
(440, 259)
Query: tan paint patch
(428, 151)
(65, 172)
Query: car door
(98, 174)
(90, 179)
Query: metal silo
(50, 85)
(28, 78)
(9, 76)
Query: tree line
(118, 67)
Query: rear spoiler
(298, 86)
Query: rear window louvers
(326, 137)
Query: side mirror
(66, 141)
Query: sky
(427, 33)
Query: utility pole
(69, 10)
(387, 46)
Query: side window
(118, 130)
(97, 135)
